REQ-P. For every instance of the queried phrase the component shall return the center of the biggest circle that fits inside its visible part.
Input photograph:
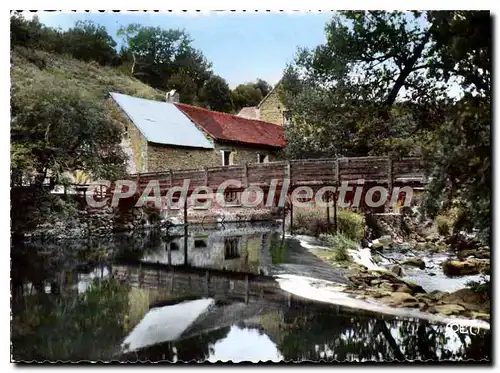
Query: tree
(216, 95)
(246, 95)
(381, 85)
(57, 129)
(88, 41)
(459, 150)
(250, 94)
(165, 59)
(263, 86)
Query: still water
(145, 297)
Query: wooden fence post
(389, 184)
(288, 175)
(185, 233)
(245, 175)
(335, 197)
(328, 209)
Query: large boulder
(397, 270)
(468, 298)
(414, 262)
(401, 299)
(481, 253)
(449, 309)
(467, 267)
(381, 242)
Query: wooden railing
(313, 172)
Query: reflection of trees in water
(197, 348)
(135, 246)
(315, 336)
(87, 327)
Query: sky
(241, 46)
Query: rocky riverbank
(420, 269)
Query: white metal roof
(161, 122)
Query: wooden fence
(313, 172)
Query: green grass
(31, 67)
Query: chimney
(172, 96)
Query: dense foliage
(250, 94)
(164, 59)
(405, 84)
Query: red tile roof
(227, 127)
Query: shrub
(443, 225)
(351, 225)
(312, 220)
(341, 245)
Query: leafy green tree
(246, 95)
(250, 94)
(216, 95)
(412, 83)
(459, 150)
(88, 41)
(263, 86)
(57, 129)
(166, 59)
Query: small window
(231, 248)
(174, 246)
(200, 243)
(287, 117)
(262, 158)
(126, 130)
(226, 158)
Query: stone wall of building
(134, 143)
(164, 157)
(145, 156)
(271, 109)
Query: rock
(397, 270)
(460, 268)
(415, 262)
(403, 288)
(431, 274)
(466, 296)
(481, 253)
(402, 299)
(421, 246)
(415, 288)
(420, 239)
(437, 295)
(449, 309)
(480, 315)
(381, 242)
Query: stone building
(163, 136)
(270, 109)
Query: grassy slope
(29, 67)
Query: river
(234, 293)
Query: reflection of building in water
(244, 248)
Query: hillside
(30, 67)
